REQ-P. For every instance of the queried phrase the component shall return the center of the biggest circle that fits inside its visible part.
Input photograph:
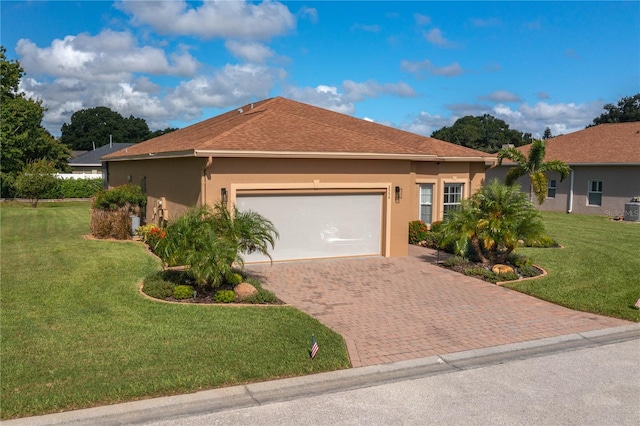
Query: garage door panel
(319, 226)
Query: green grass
(598, 270)
(76, 332)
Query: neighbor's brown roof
(282, 127)
(611, 143)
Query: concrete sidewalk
(257, 394)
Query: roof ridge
(253, 111)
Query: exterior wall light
(398, 194)
(223, 195)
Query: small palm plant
(211, 241)
(491, 222)
(533, 166)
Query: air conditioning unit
(632, 210)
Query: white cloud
(425, 123)
(561, 118)
(421, 68)
(330, 97)
(322, 96)
(251, 52)
(421, 19)
(110, 56)
(542, 95)
(213, 19)
(366, 28)
(358, 92)
(309, 13)
(436, 37)
(500, 96)
(491, 22)
(233, 85)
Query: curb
(257, 394)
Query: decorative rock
(244, 290)
(502, 269)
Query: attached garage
(313, 226)
(333, 185)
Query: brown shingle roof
(611, 143)
(283, 126)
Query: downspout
(203, 182)
(570, 200)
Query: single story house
(88, 162)
(333, 185)
(605, 170)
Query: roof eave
(299, 155)
(151, 156)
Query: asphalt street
(591, 386)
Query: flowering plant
(418, 231)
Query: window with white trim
(426, 202)
(551, 188)
(595, 193)
(452, 197)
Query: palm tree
(211, 241)
(533, 166)
(491, 222)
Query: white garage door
(319, 226)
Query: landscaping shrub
(35, 180)
(418, 231)
(183, 292)
(528, 271)
(156, 287)
(518, 260)
(234, 279)
(508, 276)
(491, 222)
(210, 242)
(455, 261)
(543, 241)
(111, 210)
(478, 271)
(79, 188)
(127, 196)
(490, 276)
(262, 296)
(254, 282)
(111, 224)
(224, 296)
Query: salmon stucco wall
(327, 175)
(172, 185)
(179, 183)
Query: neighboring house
(333, 185)
(88, 162)
(605, 170)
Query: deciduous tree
(484, 133)
(627, 109)
(23, 139)
(35, 180)
(100, 125)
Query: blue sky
(413, 65)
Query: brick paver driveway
(394, 309)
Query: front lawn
(76, 333)
(598, 270)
